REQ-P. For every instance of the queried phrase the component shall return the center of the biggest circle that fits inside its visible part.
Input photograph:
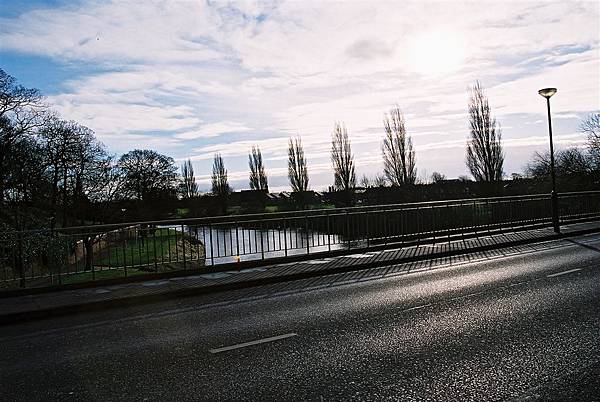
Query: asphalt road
(519, 324)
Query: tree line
(60, 165)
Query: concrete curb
(13, 318)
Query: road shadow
(589, 247)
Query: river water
(226, 244)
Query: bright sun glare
(437, 52)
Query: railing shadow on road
(579, 243)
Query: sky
(193, 78)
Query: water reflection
(226, 244)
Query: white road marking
(216, 275)
(321, 261)
(418, 307)
(258, 269)
(185, 278)
(154, 283)
(102, 291)
(467, 296)
(242, 271)
(563, 273)
(251, 343)
(358, 256)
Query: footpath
(43, 305)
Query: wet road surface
(522, 325)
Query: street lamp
(547, 93)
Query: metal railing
(38, 258)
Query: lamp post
(547, 93)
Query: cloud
(116, 32)
(195, 78)
(213, 130)
(368, 49)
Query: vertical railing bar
(218, 247)
(243, 241)
(125, 254)
(92, 261)
(169, 243)
(154, 249)
(306, 229)
(197, 241)
(183, 247)
(161, 233)
(348, 236)
(230, 242)
(146, 240)
(256, 238)
(385, 226)
(448, 227)
(212, 252)
(262, 245)
(108, 248)
(285, 246)
(21, 262)
(237, 238)
(131, 249)
(204, 242)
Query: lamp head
(547, 92)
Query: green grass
(156, 247)
(234, 210)
(322, 206)
(182, 212)
(271, 208)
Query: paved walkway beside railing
(24, 307)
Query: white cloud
(117, 32)
(213, 130)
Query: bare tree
(297, 170)
(398, 153)
(188, 185)
(437, 177)
(258, 177)
(220, 184)
(485, 158)
(21, 111)
(591, 127)
(23, 172)
(22, 106)
(380, 180)
(77, 166)
(342, 159)
(572, 161)
(365, 181)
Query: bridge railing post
(348, 235)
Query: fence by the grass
(87, 253)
